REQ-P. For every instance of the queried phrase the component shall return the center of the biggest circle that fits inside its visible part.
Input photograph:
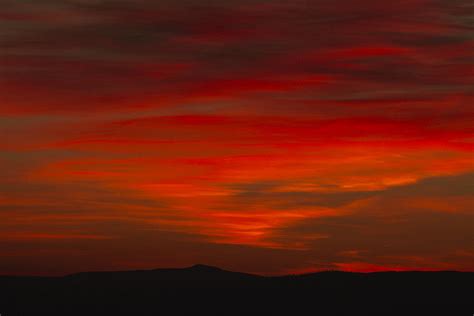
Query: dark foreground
(203, 290)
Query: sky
(261, 136)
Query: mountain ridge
(211, 290)
(205, 268)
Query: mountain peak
(204, 267)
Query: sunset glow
(261, 136)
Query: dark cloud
(258, 193)
(388, 232)
(462, 185)
(78, 55)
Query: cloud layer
(314, 134)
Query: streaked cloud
(320, 134)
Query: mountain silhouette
(203, 289)
(197, 272)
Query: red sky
(260, 136)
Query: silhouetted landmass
(203, 290)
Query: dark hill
(202, 289)
(198, 272)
